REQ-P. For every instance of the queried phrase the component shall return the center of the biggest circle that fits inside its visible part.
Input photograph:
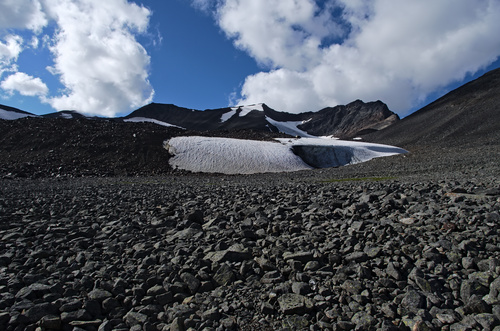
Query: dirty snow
(332, 152)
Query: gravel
(399, 243)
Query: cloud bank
(324, 53)
(96, 58)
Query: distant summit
(341, 121)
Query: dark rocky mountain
(350, 120)
(344, 121)
(466, 116)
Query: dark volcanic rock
(93, 253)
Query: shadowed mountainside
(466, 116)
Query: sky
(108, 58)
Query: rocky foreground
(269, 252)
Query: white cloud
(22, 14)
(24, 84)
(9, 52)
(395, 51)
(34, 42)
(277, 32)
(204, 5)
(96, 57)
(102, 66)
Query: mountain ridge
(341, 121)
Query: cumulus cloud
(25, 85)
(102, 66)
(96, 57)
(284, 33)
(330, 52)
(10, 49)
(22, 14)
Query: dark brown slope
(466, 117)
(41, 147)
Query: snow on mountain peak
(228, 115)
(244, 110)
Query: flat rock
(292, 303)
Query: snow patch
(228, 115)
(231, 156)
(245, 110)
(236, 156)
(289, 127)
(12, 115)
(150, 120)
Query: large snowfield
(237, 156)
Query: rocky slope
(463, 117)
(250, 253)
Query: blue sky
(110, 57)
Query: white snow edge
(150, 120)
(237, 156)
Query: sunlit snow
(231, 156)
(289, 127)
(236, 156)
(150, 120)
(245, 110)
